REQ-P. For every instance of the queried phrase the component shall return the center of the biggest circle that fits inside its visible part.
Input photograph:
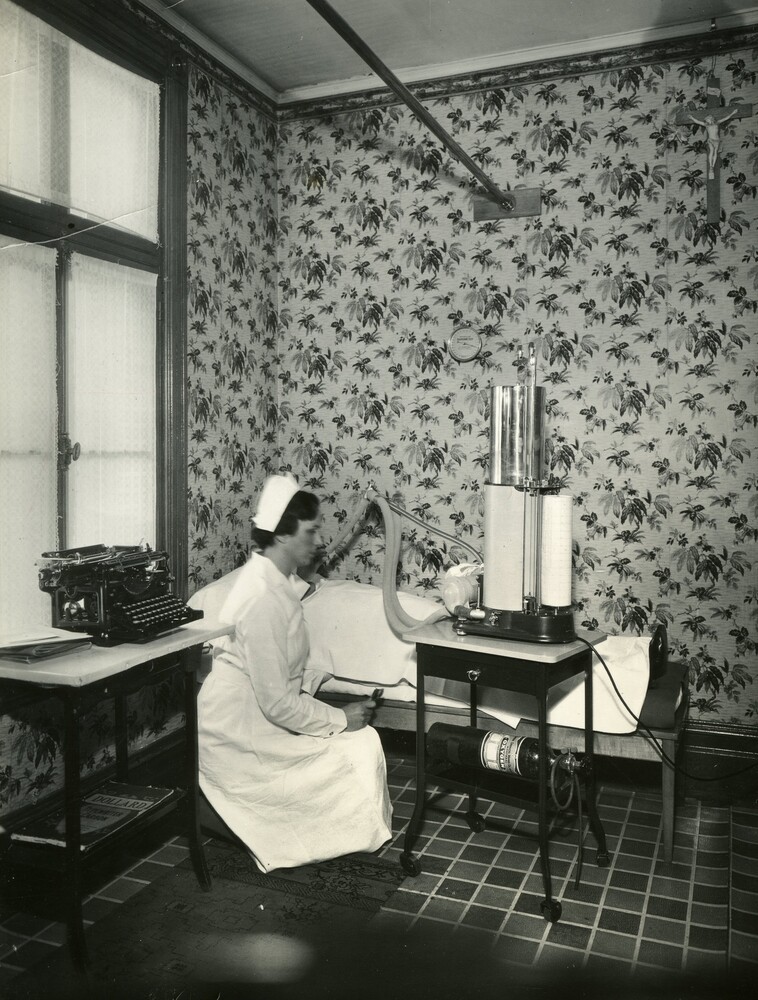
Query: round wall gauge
(464, 344)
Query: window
(89, 380)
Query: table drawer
(504, 672)
(464, 670)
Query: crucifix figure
(711, 118)
(712, 122)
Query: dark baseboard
(720, 764)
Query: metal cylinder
(517, 416)
(517, 755)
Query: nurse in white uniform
(295, 779)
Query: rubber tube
(358, 515)
(397, 617)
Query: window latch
(67, 452)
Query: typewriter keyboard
(152, 616)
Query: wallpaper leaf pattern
(326, 352)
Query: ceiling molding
(544, 54)
(370, 84)
(444, 80)
(528, 73)
(219, 55)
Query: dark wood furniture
(83, 678)
(528, 668)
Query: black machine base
(545, 625)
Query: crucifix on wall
(712, 117)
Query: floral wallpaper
(233, 351)
(320, 346)
(31, 738)
(331, 254)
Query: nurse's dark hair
(303, 506)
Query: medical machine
(527, 527)
(521, 590)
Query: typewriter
(115, 594)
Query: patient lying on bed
(352, 640)
(346, 618)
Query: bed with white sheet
(352, 641)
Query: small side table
(528, 668)
(82, 678)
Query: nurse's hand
(358, 714)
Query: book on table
(107, 808)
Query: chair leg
(668, 789)
(212, 824)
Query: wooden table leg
(190, 662)
(122, 737)
(73, 882)
(551, 908)
(473, 817)
(590, 792)
(408, 862)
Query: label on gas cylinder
(500, 753)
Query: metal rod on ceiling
(344, 30)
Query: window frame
(114, 32)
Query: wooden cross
(711, 118)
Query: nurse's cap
(276, 494)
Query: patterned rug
(253, 934)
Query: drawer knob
(474, 675)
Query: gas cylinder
(471, 747)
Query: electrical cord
(649, 734)
(560, 806)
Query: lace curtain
(110, 376)
(28, 426)
(110, 380)
(76, 129)
(80, 132)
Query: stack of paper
(30, 648)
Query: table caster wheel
(410, 865)
(603, 859)
(551, 910)
(475, 821)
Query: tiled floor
(744, 891)
(639, 920)
(639, 916)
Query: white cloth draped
(350, 638)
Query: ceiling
(289, 52)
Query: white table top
(95, 663)
(442, 634)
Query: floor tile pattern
(639, 918)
